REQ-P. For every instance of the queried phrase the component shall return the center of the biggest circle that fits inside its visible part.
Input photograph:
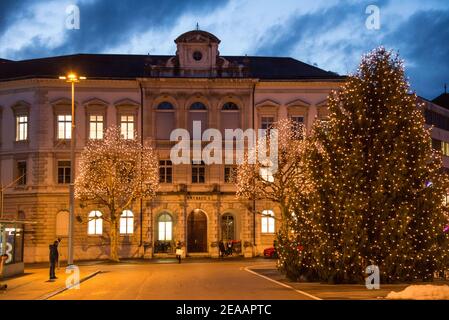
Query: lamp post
(72, 78)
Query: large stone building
(153, 95)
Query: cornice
(33, 83)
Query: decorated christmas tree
(377, 184)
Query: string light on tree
(378, 185)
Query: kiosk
(11, 244)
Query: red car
(270, 253)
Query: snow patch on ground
(421, 292)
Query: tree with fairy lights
(257, 179)
(113, 173)
(378, 185)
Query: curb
(62, 289)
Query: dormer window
(197, 50)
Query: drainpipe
(141, 141)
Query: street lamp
(72, 78)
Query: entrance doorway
(197, 231)
(227, 227)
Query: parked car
(270, 253)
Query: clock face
(197, 56)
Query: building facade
(196, 204)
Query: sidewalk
(34, 284)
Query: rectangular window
(96, 127)
(445, 148)
(436, 144)
(229, 174)
(266, 123)
(22, 173)
(198, 172)
(165, 171)
(127, 126)
(64, 126)
(64, 172)
(21, 128)
(267, 221)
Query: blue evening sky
(331, 34)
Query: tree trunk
(114, 256)
(286, 215)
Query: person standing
(57, 257)
(53, 259)
(178, 251)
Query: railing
(239, 71)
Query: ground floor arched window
(95, 223)
(165, 227)
(62, 223)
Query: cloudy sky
(331, 34)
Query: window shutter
(165, 123)
(230, 120)
(197, 116)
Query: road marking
(62, 289)
(280, 283)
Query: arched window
(95, 223)
(227, 227)
(267, 221)
(230, 106)
(197, 112)
(229, 116)
(165, 120)
(165, 227)
(127, 222)
(62, 223)
(165, 106)
(198, 106)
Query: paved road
(216, 280)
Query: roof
(191, 36)
(442, 100)
(121, 66)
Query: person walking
(53, 259)
(229, 249)
(178, 251)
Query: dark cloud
(106, 23)
(282, 38)
(11, 10)
(423, 41)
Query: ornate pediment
(197, 36)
